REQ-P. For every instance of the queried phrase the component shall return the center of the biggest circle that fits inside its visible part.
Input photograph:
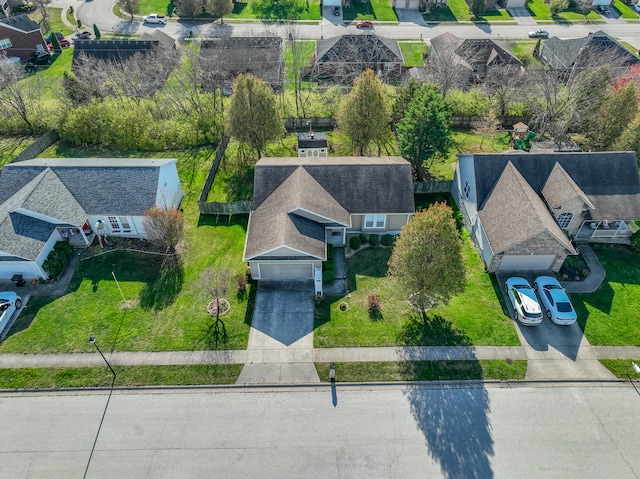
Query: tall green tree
(252, 115)
(477, 8)
(55, 43)
(424, 133)
(630, 138)
(617, 111)
(364, 115)
(404, 96)
(96, 32)
(427, 260)
(556, 6)
(219, 8)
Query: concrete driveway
(553, 351)
(281, 337)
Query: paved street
(387, 432)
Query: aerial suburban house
(222, 59)
(166, 41)
(20, 37)
(524, 209)
(302, 204)
(111, 50)
(474, 56)
(571, 56)
(46, 200)
(342, 59)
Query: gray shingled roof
(312, 140)
(22, 23)
(111, 50)
(560, 188)
(165, 40)
(119, 186)
(362, 48)
(588, 52)
(514, 213)
(609, 179)
(475, 51)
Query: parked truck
(154, 18)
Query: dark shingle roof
(312, 140)
(588, 52)
(475, 51)
(20, 22)
(165, 40)
(363, 48)
(609, 179)
(111, 50)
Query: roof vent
(313, 136)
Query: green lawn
(303, 10)
(305, 51)
(621, 367)
(12, 146)
(458, 11)
(540, 11)
(440, 14)
(127, 376)
(524, 51)
(424, 371)
(624, 10)
(475, 317)
(380, 10)
(412, 53)
(168, 312)
(609, 316)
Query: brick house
(21, 37)
(524, 210)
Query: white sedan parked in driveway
(555, 300)
(524, 301)
(9, 303)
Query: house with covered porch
(526, 211)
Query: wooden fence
(432, 186)
(305, 124)
(37, 147)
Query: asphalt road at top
(100, 12)
(415, 431)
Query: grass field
(412, 53)
(12, 146)
(625, 11)
(540, 11)
(379, 10)
(609, 316)
(424, 371)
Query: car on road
(603, 9)
(83, 36)
(554, 298)
(364, 24)
(336, 11)
(10, 302)
(524, 301)
(539, 34)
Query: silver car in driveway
(9, 303)
(523, 299)
(555, 300)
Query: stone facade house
(524, 211)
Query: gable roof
(609, 179)
(260, 55)
(20, 23)
(588, 52)
(165, 40)
(290, 193)
(361, 48)
(119, 186)
(560, 188)
(475, 51)
(111, 50)
(514, 213)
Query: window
(467, 189)
(5, 43)
(375, 221)
(119, 224)
(564, 220)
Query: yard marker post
(118, 285)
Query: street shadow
(284, 310)
(423, 329)
(454, 420)
(126, 27)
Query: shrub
(327, 276)
(327, 265)
(52, 266)
(330, 251)
(387, 240)
(65, 248)
(355, 242)
(373, 304)
(363, 238)
(374, 240)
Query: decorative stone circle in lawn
(343, 306)
(415, 307)
(212, 308)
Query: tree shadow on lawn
(424, 329)
(372, 261)
(29, 312)
(164, 289)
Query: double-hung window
(375, 221)
(5, 43)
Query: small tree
(189, 8)
(219, 8)
(55, 43)
(252, 115)
(164, 227)
(364, 114)
(96, 32)
(215, 283)
(486, 126)
(556, 6)
(130, 6)
(424, 132)
(427, 258)
(477, 8)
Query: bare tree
(219, 8)
(130, 6)
(447, 72)
(504, 85)
(190, 8)
(164, 227)
(297, 59)
(41, 5)
(18, 94)
(215, 283)
(486, 127)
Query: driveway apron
(281, 337)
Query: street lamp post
(636, 369)
(92, 340)
(322, 30)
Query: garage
(516, 3)
(286, 270)
(408, 4)
(526, 262)
(332, 3)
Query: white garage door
(517, 4)
(408, 4)
(332, 3)
(285, 271)
(526, 262)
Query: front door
(336, 236)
